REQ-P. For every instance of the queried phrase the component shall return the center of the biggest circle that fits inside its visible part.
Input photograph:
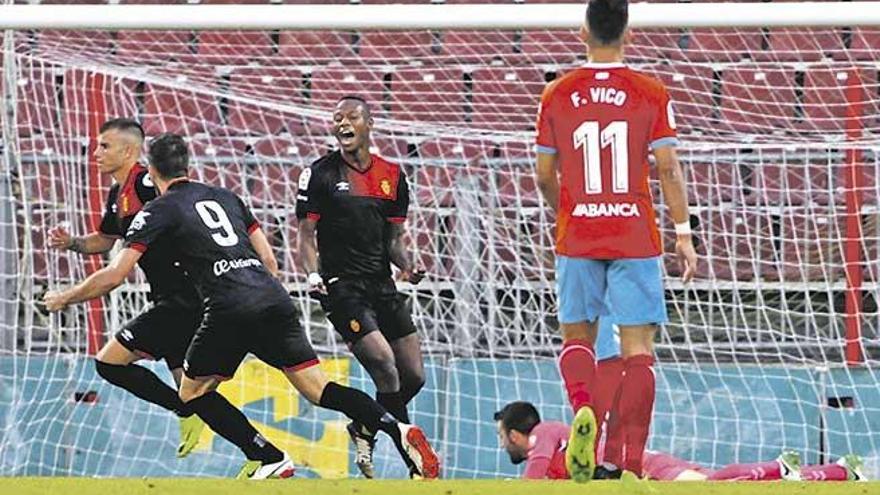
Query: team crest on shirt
(385, 185)
(355, 326)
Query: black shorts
(357, 307)
(162, 332)
(275, 336)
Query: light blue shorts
(633, 287)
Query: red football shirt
(602, 121)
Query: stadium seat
(810, 247)
(37, 101)
(395, 46)
(720, 45)
(522, 251)
(557, 47)
(653, 45)
(390, 148)
(506, 98)
(827, 104)
(234, 47)
(428, 234)
(222, 173)
(455, 151)
(428, 95)
(265, 84)
(319, 47)
(480, 47)
(432, 185)
(793, 184)
(691, 89)
(757, 100)
(516, 186)
(269, 185)
(301, 150)
(118, 98)
(802, 45)
(178, 110)
(94, 44)
(149, 47)
(734, 242)
(331, 83)
(865, 41)
(713, 183)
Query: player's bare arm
(308, 252)
(548, 180)
(399, 257)
(264, 251)
(96, 242)
(97, 284)
(675, 196)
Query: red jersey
(546, 455)
(602, 121)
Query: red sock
(759, 471)
(825, 472)
(635, 407)
(609, 374)
(577, 365)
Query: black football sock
(232, 424)
(359, 407)
(144, 384)
(394, 403)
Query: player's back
(601, 121)
(212, 228)
(549, 439)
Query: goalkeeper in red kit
(596, 127)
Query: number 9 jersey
(602, 121)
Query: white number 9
(215, 218)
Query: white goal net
(775, 345)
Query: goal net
(774, 346)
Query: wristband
(315, 279)
(683, 228)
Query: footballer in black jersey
(222, 247)
(352, 206)
(166, 328)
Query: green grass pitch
(213, 486)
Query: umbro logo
(126, 335)
(342, 186)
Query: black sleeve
(400, 207)
(146, 191)
(154, 220)
(307, 195)
(110, 222)
(250, 220)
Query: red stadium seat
(223, 174)
(714, 183)
(395, 46)
(390, 148)
(516, 187)
(691, 89)
(302, 150)
(154, 46)
(734, 243)
(522, 251)
(757, 100)
(475, 46)
(865, 41)
(320, 47)
(457, 151)
(827, 103)
(794, 184)
(428, 95)
(720, 45)
(118, 97)
(265, 84)
(428, 234)
(653, 45)
(96, 44)
(802, 44)
(558, 47)
(234, 47)
(37, 103)
(180, 111)
(810, 247)
(506, 98)
(270, 184)
(329, 84)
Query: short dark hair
(607, 20)
(356, 98)
(124, 125)
(169, 155)
(520, 416)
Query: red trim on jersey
(128, 202)
(313, 216)
(378, 181)
(397, 219)
(303, 365)
(138, 246)
(254, 226)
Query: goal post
(774, 345)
